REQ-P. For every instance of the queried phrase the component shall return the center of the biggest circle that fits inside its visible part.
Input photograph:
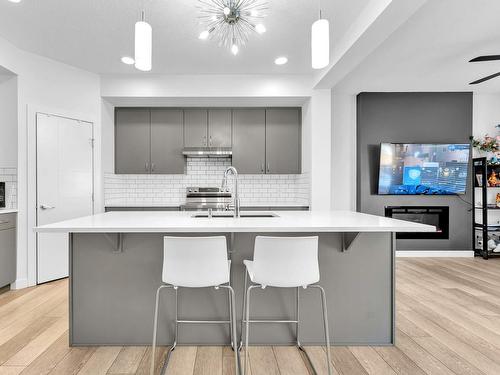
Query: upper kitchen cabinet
(132, 141)
(195, 128)
(249, 140)
(219, 128)
(167, 141)
(283, 141)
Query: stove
(205, 198)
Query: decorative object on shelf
(493, 179)
(320, 42)
(479, 179)
(489, 147)
(231, 22)
(497, 200)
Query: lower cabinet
(7, 249)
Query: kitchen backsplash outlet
(170, 190)
(9, 176)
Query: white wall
(8, 121)
(43, 84)
(316, 138)
(343, 151)
(486, 114)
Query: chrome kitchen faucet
(236, 202)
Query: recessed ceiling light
(15, 1)
(282, 60)
(128, 60)
(204, 35)
(260, 28)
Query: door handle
(45, 207)
(146, 166)
(210, 141)
(268, 169)
(204, 140)
(152, 167)
(262, 167)
(4, 222)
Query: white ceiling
(94, 34)
(432, 49)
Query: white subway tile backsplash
(9, 176)
(158, 190)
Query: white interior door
(64, 186)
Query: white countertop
(8, 211)
(183, 222)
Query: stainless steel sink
(230, 215)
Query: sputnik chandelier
(231, 22)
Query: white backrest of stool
(195, 262)
(286, 261)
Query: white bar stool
(284, 262)
(195, 262)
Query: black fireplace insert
(439, 216)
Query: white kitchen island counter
(184, 222)
(116, 264)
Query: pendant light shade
(143, 45)
(320, 43)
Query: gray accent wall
(420, 117)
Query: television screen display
(427, 169)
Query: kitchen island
(116, 262)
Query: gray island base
(116, 265)
(113, 284)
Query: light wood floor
(448, 322)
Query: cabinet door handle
(152, 167)
(204, 140)
(210, 141)
(268, 169)
(146, 166)
(262, 167)
(4, 222)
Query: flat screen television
(423, 169)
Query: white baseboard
(435, 253)
(19, 284)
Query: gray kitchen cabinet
(283, 141)
(167, 141)
(219, 128)
(7, 249)
(249, 140)
(195, 128)
(132, 141)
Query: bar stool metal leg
(243, 310)
(237, 364)
(247, 321)
(325, 323)
(155, 326)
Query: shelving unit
(481, 170)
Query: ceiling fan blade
(485, 79)
(485, 58)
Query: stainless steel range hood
(207, 152)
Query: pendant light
(320, 42)
(143, 44)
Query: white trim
(435, 254)
(19, 284)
